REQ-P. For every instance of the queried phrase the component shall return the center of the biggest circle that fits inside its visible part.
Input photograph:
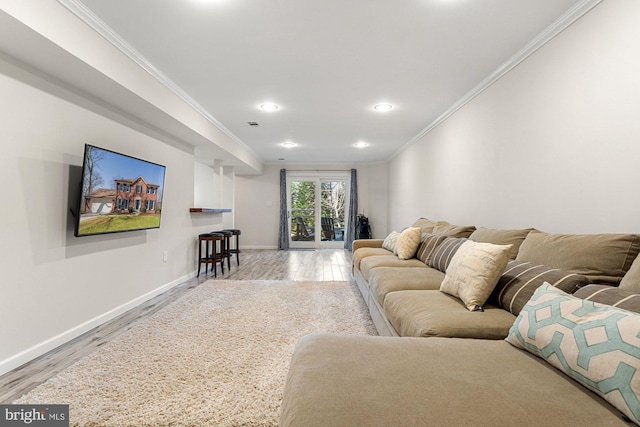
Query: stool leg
(213, 258)
(228, 253)
(199, 256)
(213, 244)
(238, 250)
(206, 255)
(222, 249)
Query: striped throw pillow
(428, 244)
(521, 279)
(610, 295)
(442, 255)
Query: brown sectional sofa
(403, 295)
(449, 379)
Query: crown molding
(92, 20)
(563, 22)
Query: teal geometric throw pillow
(595, 344)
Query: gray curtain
(283, 235)
(353, 211)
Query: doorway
(317, 210)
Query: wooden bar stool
(227, 244)
(236, 246)
(213, 252)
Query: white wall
(55, 286)
(228, 196)
(206, 195)
(554, 144)
(257, 201)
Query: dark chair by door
(302, 233)
(328, 228)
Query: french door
(317, 209)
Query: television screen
(118, 193)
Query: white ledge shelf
(208, 210)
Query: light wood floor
(298, 265)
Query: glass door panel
(302, 211)
(332, 205)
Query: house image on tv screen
(129, 195)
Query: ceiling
(326, 64)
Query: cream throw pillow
(474, 271)
(408, 242)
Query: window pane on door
(332, 205)
(303, 213)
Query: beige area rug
(218, 356)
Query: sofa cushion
(362, 253)
(595, 344)
(451, 230)
(610, 295)
(442, 254)
(383, 280)
(604, 258)
(369, 263)
(391, 241)
(339, 380)
(631, 279)
(474, 271)
(436, 314)
(428, 244)
(520, 280)
(501, 237)
(426, 225)
(408, 242)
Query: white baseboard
(258, 247)
(37, 350)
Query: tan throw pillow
(391, 241)
(408, 242)
(474, 271)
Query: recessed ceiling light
(360, 144)
(268, 106)
(382, 107)
(288, 144)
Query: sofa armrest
(366, 243)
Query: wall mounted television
(118, 193)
